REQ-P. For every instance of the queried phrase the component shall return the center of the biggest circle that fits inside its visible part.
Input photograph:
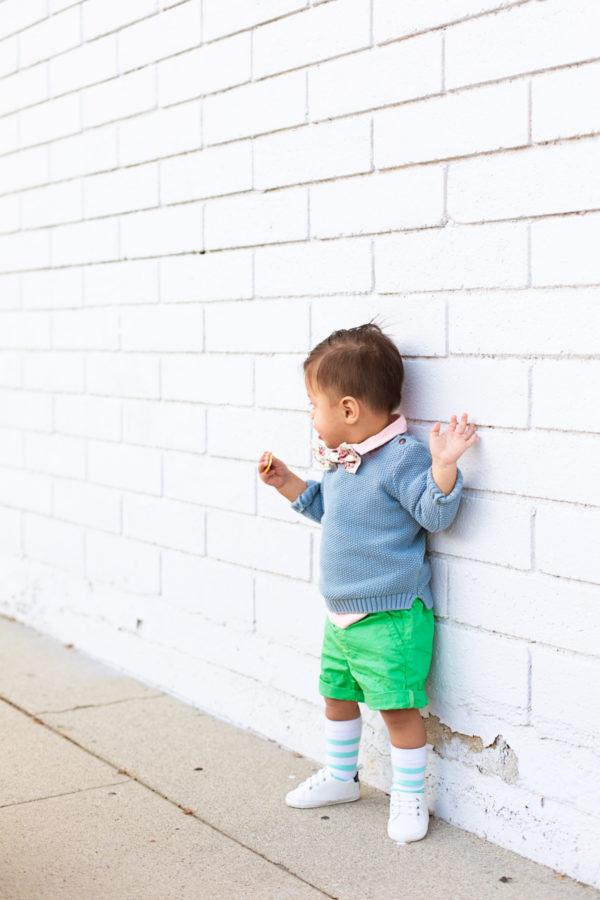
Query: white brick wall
(194, 193)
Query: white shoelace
(404, 804)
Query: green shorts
(382, 660)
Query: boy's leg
(409, 816)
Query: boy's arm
(305, 497)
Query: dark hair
(360, 362)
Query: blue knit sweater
(374, 527)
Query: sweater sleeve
(310, 502)
(415, 489)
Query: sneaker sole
(319, 805)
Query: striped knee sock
(408, 769)
(342, 740)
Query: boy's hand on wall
(448, 446)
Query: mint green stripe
(343, 743)
(408, 783)
(342, 768)
(341, 755)
(409, 771)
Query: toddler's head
(361, 364)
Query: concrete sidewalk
(111, 790)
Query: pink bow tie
(344, 455)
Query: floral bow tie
(344, 455)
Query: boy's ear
(350, 408)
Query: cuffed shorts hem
(384, 700)
(335, 692)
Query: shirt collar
(398, 426)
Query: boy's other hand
(448, 446)
(276, 474)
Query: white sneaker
(322, 789)
(409, 817)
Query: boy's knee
(341, 710)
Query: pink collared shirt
(398, 426)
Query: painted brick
(558, 702)
(311, 36)
(214, 67)
(256, 219)
(391, 202)
(535, 182)
(433, 388)
(325, 268)
(92, 151)
(465, 257)
(50, 37)
(52, 288)
(222, 17)
(210, 378)
(25, 490)
(25, 330)
(123, 374)
(10, 530)
(10, 369)
(551, 264)
(255, 108)
(15, 15)
(129, 565)
(192, 584)
(166, 230)
(53, 371)
(8, 56)
(522, 39)
(165, 522)
(566, 103)
(561, 394)
(400, 317)
(87, 64)
(489, 530)
(481, 669)
(52, 205)
(94, 417)
(24, 88)
(55, 454)
(220, 483)
(102, 16)
(513, 601)
(118, 98)
(207, 173)
(260, 327)
(259, 544)
(162, 328)
(490, 466)
(8, 134)
(85, 329)
(553, 322)
(10, 291)
(85, 242)
(26, 409)
(122, 282)
(10, 213)
(121, 466)
(556, 552)
(179, 426)
(25, 250)
(87, 504)
(302, 625)
(160, 36)
(286, 433)
(280, 383)
(457, 124)
(121, 191)
(396, 20)
(208, 276)
(25, 169)
(53, 542)
(377, 77)
(313, 152)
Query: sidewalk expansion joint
(186, 811)
(65, 793)
(51, 712)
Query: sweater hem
(380, 604)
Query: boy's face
(328, 417)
